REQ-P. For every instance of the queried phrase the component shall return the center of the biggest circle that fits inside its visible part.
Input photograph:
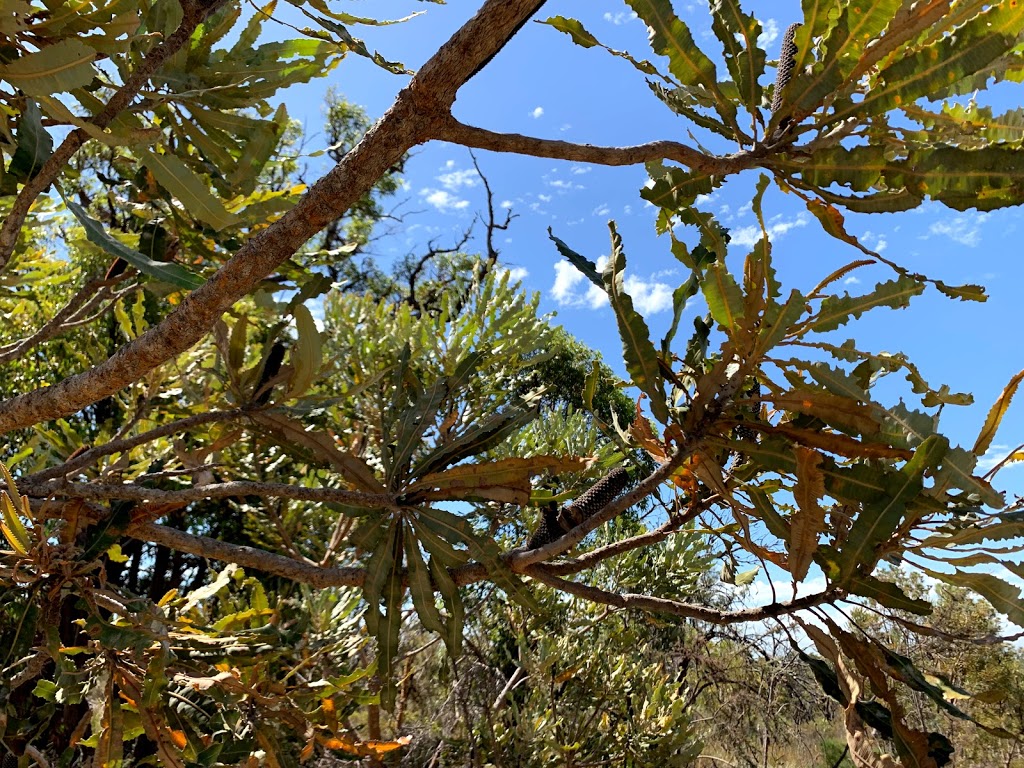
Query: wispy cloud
(769, 33)
(443, 201)
(537, 112)
(515, 274)
(746, 237)
(455, 180)
(620, 18)
(965, 230)
(994, 455)
(602, 210)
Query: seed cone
(787, 60)
(556, 523)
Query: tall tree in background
(396, 459)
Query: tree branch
(250, 557)
(415, 117)
(126, 444)
(479, 138)
(133, 492)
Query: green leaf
(837, 310)
(724, 297)
(575, 30)
(1006, 599)
(857, 24)
(888, 594)
(670, 37)
(306, 353)
(954, 57)
(638, 352)
(582, 263)
(744, 578)
(63, 66)
(35, 146)
(175, 274)
(995, 415)
(191, 191)
(421, 589)
(877, 521)
(738, 33)
(674, 188)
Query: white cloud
(602, 210)
(506, 203)
(449, 164)
(537, 112)
(777, 227)
(456, 179)
(993, 456)
(579, 170)
(567, 292)
(851, 280)
(875, 242)
(564, 185)
(564, 127)
(443, 201)
(517, 273)
(620, 18)
(572, 289)
(770, 32)
(544, 198)
(965, 230)
(648, 297)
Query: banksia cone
(556, 523)
(787, 60)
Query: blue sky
(543, 85)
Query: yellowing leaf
(995, 415)
(808, 521)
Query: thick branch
(414, 117)
(250, 557)
(479, 138)
(194, 14)
(675, 608)
(237, 489)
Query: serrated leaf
(738, 33)
(582, 263)
(670, 37)
(745, 578)
(995, 415)
(323, 447)
(808, 522)
(888, 594)
(878, 520)
(952, 58)
(638, 352)
(676, 189)
(63, 66)
(486, 479)
(724, 297)
(838, 310)
(1005, 598)
(579, 34)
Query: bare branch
(480, 138)
(675, 608)
(91, 294)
